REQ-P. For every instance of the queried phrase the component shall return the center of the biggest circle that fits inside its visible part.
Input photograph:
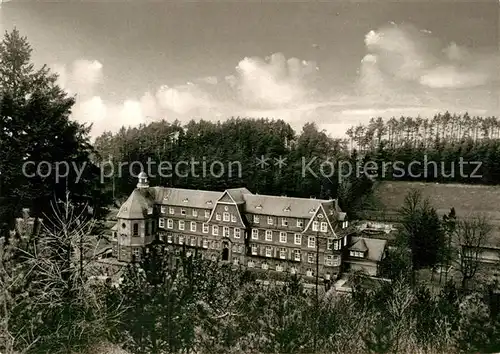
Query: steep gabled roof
(359, 245)
(238, 194)
(137, 205)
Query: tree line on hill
(438, 144)
(235, 140)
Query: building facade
(267, 233)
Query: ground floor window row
(293, 254)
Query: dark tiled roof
(137, 205)
(191, 198)
(359, 245)
(285, 206)
(375, 247)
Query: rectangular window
(284, 222)
(256, 219)
(310, 258)
(254, 250)
(233, 218)
(255, 234)
(329, 244)
(298, 239)
(215, 230)
(217, 216)
(163, 209)
(236, 261)
(170, 224)
(205, 243)
(193, 226)
(336, 245)
(183, 211)
(161, 223)
(136, 252)
(136, 229)
(293, 270)
(181, 239)
(225, 231)
(311, 242)
(309, 273)
(265, 266)
(282, 253)
(205, 228)
(171, 211)
(300, 223)
(323, 227)
(237, 233)
(279, 268)
(269, 235)
(251, 264)
(345, 240)
(193, 241)
(207, 214)
(328, 260)
(315, 225)
(214, 245)
(226, 216)
(195, 212)
(269, 251)
(283, 237)
(336, 261)
(169, 238)
(296, 255)
(269, 220)
(181, 224)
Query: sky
(335, 63)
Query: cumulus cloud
(406, 53)
(403, 71)
(276, 81)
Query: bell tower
(143, 180)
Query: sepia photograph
(249, 177)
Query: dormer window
(256, 219)
(284, 222)
(185, 200)
(312, 211)
(258, 207)
(344, 224)
(209, 202)
(163, 209)
(287, 209)
(269, 220)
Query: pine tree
(35, 127)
